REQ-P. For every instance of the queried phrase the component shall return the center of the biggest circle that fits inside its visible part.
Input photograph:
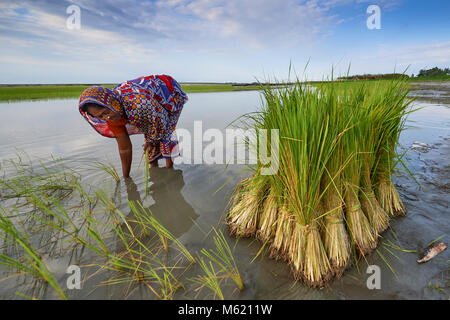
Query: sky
(218, 40)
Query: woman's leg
(154, 163)
(169, 163)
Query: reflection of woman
(149, 105)
(170, 207)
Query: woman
(149, 105)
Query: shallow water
(192, 198)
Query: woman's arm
(125, 152)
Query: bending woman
(147, 105)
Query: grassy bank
(43, 92)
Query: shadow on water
(169, 208)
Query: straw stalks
(243, 219)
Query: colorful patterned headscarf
(151, 105)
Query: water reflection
(170, 207)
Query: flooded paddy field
(192, 199)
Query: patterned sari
(151, 106)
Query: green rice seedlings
(109, 168)
(391, 124)
(147, 221)
(31, 261)
(209, 280)
(358, 225)
(54, 180)
(331, 147)
(369, 122)
(140, 267)
(334, 234)
(224, 258)
(306, 145)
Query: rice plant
(30, 261)
(149, 223)
(223, 256)
(109, 168)
(210, 279)
(54, 179)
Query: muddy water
(192, 198)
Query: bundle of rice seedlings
(361, 233)
(335, 236)
(321, 202)
(368, 123)
(393, 109)
(334, 233)
(387, 193)
(282, 238)
(305, 147)
(243, 217)
(268, 217)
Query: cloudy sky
(217, 40)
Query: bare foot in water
(169, 163)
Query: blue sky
(217, 41)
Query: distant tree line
(375, 76)
(434, 72)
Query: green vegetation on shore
(44, 92)
(385, 76)
(430, 78)
(433, 74)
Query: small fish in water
(432, 252)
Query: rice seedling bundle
(332, 192)
(391, 124)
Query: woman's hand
(151, 148)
